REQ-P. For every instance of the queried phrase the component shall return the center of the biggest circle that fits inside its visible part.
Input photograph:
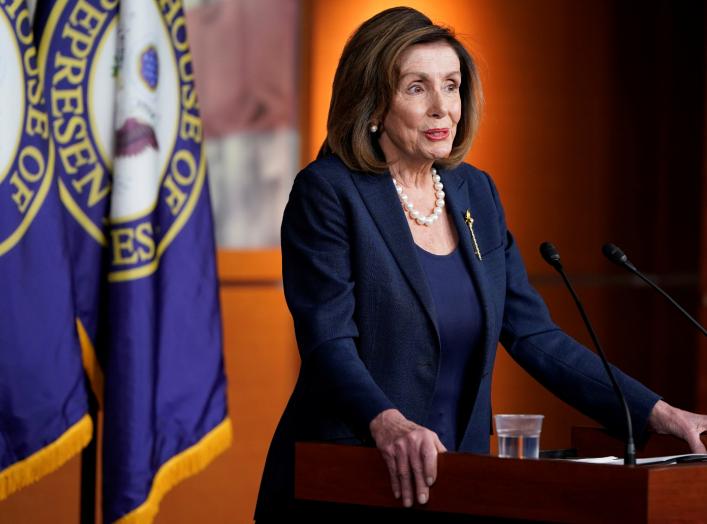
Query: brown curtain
(659, 201)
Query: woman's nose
(438, 104)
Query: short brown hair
(366, 80)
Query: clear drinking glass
(519, 435)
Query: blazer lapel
(383, 204)
(456, 188)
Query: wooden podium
(533, 490)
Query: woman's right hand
(410, 452)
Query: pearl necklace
(410, 208)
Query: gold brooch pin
(470, 222)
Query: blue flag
(79, 80)
(43, 404)
(120, 82)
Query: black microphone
(552, 256)
(618, 257)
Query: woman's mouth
(437, 134)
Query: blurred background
(593, 129)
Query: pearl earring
(373, 128)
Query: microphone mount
(552, 256)
(618, 257)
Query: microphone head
(614, 253)
(550, 254)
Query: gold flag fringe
(90, 363)
(187, 463)
(47, 459)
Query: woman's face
(422, 118)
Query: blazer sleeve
(560, 363)
(319, 289)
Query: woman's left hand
(669, 420)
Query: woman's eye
(452, 87)
(415, 89)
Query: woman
(402, 277)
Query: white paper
(667, 460)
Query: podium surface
(532, 490)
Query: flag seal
(26, 161)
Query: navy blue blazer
(365, 320)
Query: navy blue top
(460, 323)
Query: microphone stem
(670, 299)
(630, 451)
